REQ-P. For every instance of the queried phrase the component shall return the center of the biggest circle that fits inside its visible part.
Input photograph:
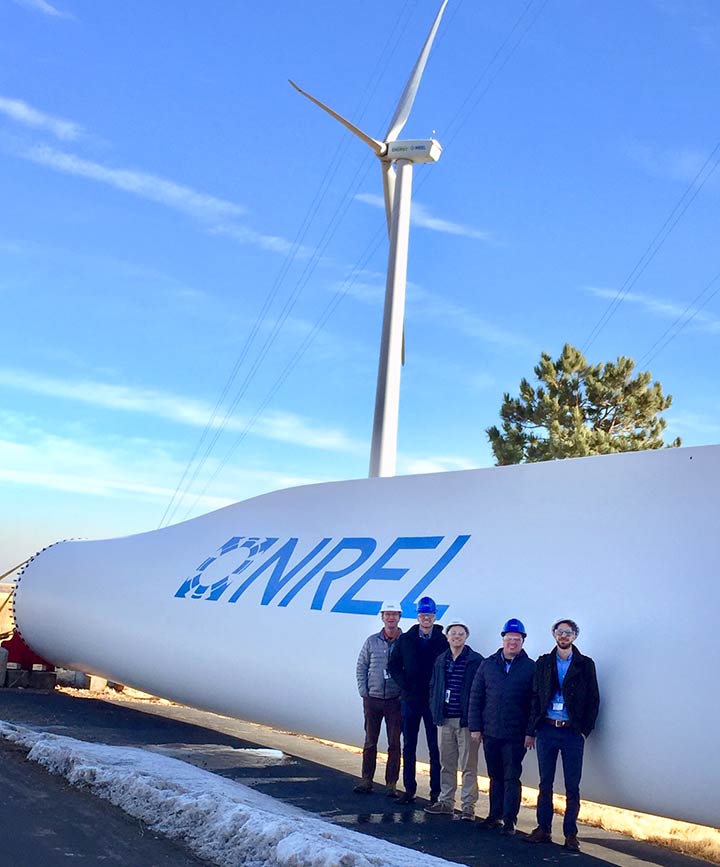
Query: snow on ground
(218, 819)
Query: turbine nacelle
(414, 150)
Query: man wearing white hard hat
(449, 699)
(381, 701)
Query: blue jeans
(570, 744)
(503, 759)
(413, 713)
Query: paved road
(44, 821)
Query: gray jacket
(372, 678)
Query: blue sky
(182, 231)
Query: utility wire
(652, 249)
(682, 321)
(386, 54)
(292, 363)
(374, 244)
(372, 247)
(487, 78)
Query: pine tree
(580, 409)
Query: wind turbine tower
(397, 159)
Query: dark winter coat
(500, 701)
(580, 691)
(412, 660)
(437, 686)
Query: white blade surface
(388, 176)
(402, 112)
(377, 146)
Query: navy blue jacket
(499, 701)
(437, 686)
(580, 690)
(412, 660)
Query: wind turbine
(397, 186)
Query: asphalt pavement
(44, 821)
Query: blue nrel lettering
(286, 566)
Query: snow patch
(220, 820)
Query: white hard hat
(457, 623)
(391, 606)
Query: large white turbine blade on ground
(274, 580)
(402, 112)
(378, 147)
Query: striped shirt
(454, 674)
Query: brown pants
(376, 710)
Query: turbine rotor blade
(402, 112)
(388, 176)
(378, 147)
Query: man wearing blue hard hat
(411, 667)
(499, 718)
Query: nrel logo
(419, 147)
(284, 582)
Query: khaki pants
(458, 752)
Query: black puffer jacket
(437, 686)
(412, 660)
(580, 691)
(500, 700)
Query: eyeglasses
(567, 632)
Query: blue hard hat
(427, 605)
(514, 625)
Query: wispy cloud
(272, 243)
(662, 308)
(44, 7)
(701, 428)
(142, 184)
(20, 112)
(676, 164)
(697, 15)
(434, 464)
(430, 305)
(134, 469)
(219, 215)
(426, 305)
(422, 217)
(277, 425)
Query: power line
(662, 234)
(682, 321)
(372, 247)
(292, 363)
(386, 54)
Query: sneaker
(489, 824)
(364, 787)
(508, 829)
(572, 843)
(391, 792)
(406, 798)
(440, 809)
(468, 814)
(539, 835)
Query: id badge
(447, 696)
(386, 675)
(558, 705)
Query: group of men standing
(507, 702)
